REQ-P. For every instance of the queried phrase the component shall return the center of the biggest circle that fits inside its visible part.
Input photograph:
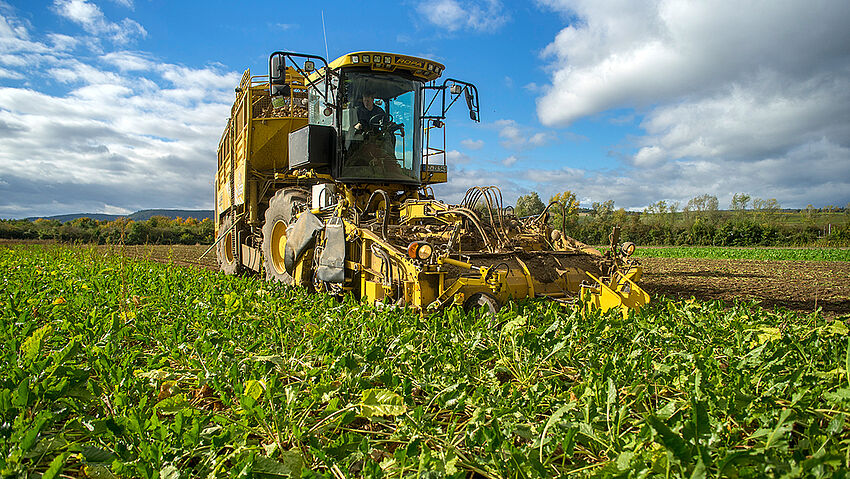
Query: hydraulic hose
(473, 218)
(386, 218)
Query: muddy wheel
(483, 302)
(224, 250)
(281, 212)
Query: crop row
(120, 368)
(764, 254)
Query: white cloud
(10, 74)
(462, 178)
(444, 13)
(62, 42)
(717, 83)
(14, 37)
(531, 87)
(454, 157)
(812, 173)
(91, 18)
(471, 144)
(131, 132)
(509, 161)
(516, 136)
(129, 61)
(451, 15)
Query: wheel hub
(277, 246)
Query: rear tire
(279, 215)
(224, 250)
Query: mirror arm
(471, 97)
(290, 56)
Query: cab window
(378, 128)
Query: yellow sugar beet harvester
(324, 174)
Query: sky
(111, 106)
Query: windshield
(378, 128)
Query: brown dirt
(182, 255)
(799, 286)
(25, 241)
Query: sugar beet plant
(769, 254)
(118, 368)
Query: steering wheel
(380, 119)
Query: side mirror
(309, 66)
(277, 77)
(277, 70)
(470, 103)
(455, 89)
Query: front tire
(484, 303)
(283, 207)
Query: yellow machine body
(300, 221)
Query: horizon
(580, 209)
(116, 106)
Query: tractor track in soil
(800, 286)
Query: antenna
(325, 34)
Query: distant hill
(64, 218)
(147, 214)
(142, 215)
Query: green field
(120, 368)
(765, 254)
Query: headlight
(355, 58)
(365, 58)
(420, 250)
(628, 248)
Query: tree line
(156, 230)
(749, 221)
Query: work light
(420, 250)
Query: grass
(766, 254)
(119, 368)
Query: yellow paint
(253, 164)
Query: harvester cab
(377, 111)
(324, 181)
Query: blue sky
(117, 105)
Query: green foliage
(156, 230)
(528, 205)
(739, 202)
(763, 254)
(564, 213)
(700, 223)
(118, 368)
(659, 226)
(703, 205)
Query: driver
(370, 115)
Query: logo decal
(408, 62)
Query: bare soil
(182, 255)
(800, 286)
